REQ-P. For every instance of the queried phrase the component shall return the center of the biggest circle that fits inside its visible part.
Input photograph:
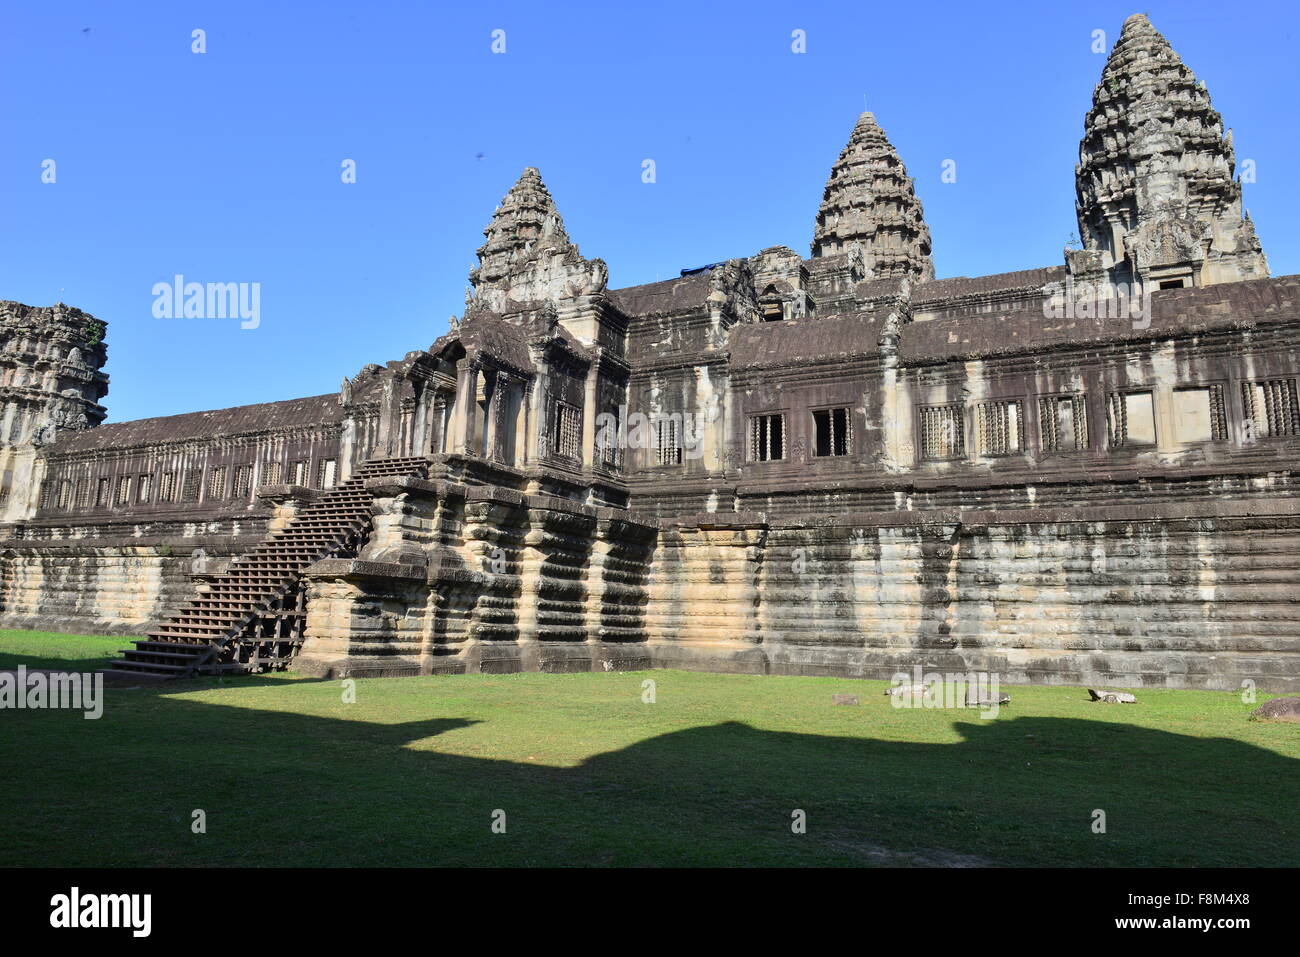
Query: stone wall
(101, 586)
(462, 578)
(1171, 595)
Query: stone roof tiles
(801, 341)
(667, 296)
(1173, 313)
(957, 286)
(241, 419)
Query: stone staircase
(251, 618)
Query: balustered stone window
(271, 474)
(943, 432)
(325, 473)
(193, 484)
(217, 483)
(1270, 407)
(243, 481)
(101, 493)
(123, 496)
(610, 453)
(1199, 415)
(167, 487)
(831, 428)
(81, 497)
(143, 489)
(299, 473)
(566, 431)
(1000, 427)
(1063, 423)
(65, 494)
(767, 437)
(668, 440)
(1130, 419)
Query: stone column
(501, 398)
(523, 454)
(538, 437)
(437, 438)
(420, 418)
(590, 403)
(462, 417)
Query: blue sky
(225, 166)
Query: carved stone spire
(51, 381)
(869, 202)
(1157, 201)
(528, 256)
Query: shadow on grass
(10, 661)
(284, 788)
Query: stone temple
(833, 464)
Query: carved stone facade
(1158, 204)
(870, 203)
(832, 465)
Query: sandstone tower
(50, 384)
(1157, 202)
(527, 256)
(870, 202)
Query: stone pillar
(538, 440)
(389, 440)
(523, 452)
(499, 411)
(590, 403)
(462, 417)
(420, 418)
(437, 429)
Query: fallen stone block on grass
(844, 698)
(1279, 709)
(1112, 697)
(983, 699)
(907, 691)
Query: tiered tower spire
(870, 202)
(528, 257)
(1157, 202)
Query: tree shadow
(9, 661)
(286, 788)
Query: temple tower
(528, 257)
(869, 202)
(1157, 202)
(50, 383)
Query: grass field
(287, 773)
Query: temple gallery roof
(1173, 312)
(842, 338)
(670, 295)
(241, 419)
(955, 287)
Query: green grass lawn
(47, 649)
(586, 773)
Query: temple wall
(459, 578)
(1176, 597)
(186, 478)
(110, 580)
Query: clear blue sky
(225, 166)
